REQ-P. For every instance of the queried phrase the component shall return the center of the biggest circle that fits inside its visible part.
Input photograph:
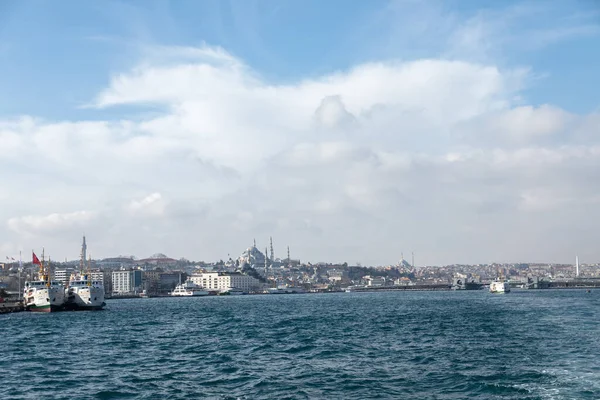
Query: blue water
(402, 345)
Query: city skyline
(350, 132)
(401, 261)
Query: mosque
(253, 256)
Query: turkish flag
(36, 260)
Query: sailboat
(43, 294)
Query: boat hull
(44, 300)
(44, 308)
(192, 294)
(85, 298)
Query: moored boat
(189, 288)
(231, 292)
(84, 293)
(43, 294)
(499, 286)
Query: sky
(349, 131)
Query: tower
(266, 263)
(83, 255)
(577, 266)
(272, 252)
(289, 259)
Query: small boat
(499, 286)
(189, 288)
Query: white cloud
(49, 224)
(152, 204)
(435, 156)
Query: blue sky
(57, 55)
(330, 125)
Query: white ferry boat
(43, 294)
(84, 294)
(286, 290)
(499, 286)
(232, 292)
(189, 288)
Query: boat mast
(44, 269)
(89, 275)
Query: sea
(536, 344)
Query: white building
(63, 274)
(224, 281)
(374, 280)
(127, 281)
(105, 277)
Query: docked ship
(499, 286)
(83, 293)
(189, 288)
(43, 294)
(231, 292)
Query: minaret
(272, 252)
(266, 263)
(289, 259)
(413, 259)
(83, 255)
(254, 242)
(577, 266)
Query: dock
(11, 307)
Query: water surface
(403, 345)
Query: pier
(581, 284)
(436, 287)
(11, 307)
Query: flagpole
(20, 267)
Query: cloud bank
(436, 156)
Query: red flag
(36, 260)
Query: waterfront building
(169, 280)
(158, 260)
(151, 281)
(374, 280)
(115, 263)
(126, 281)
(105, 277)
(224, 281)
(63, 274)
(336, 275)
